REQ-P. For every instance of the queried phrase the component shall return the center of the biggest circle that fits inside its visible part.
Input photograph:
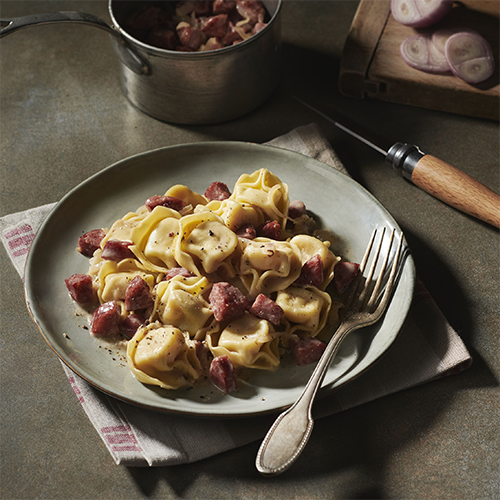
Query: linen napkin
(427, 348)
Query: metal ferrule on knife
(403, 158)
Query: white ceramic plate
(341, 204)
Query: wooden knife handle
(457, 189)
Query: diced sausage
(344, 274)
(227, 302)
(296, 209)
(265, 308)
(106, 320)
(90, 242)
(217, 191)
(190, 37)
(231, 36)
(246, 231)
(307, 350)
(222, 374)
(270, 229)
(311, 272)
(252, 10)
(176, 271)
(215, 26)
(117, 250)
(223, 6)
(80, 288)
(131, 324)
(138, 295)
(258, 27)
(165, 201)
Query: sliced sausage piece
(131, 324)
(265, 308)
(307, 350)
(215, 26)
(252, 10)
(165, 201)
(227, 302)
(217, 191)
(232, 35)
(222, 374)
(296, 209)
(80, 288)
(270, 229)
(117, 250)
(223, 6)
(190, 37)
(345, 274)
(106, 320)
(246, 231)
(138, 295)
(90, 242)
(311, 272)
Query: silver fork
(365, 305)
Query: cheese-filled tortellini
(266, 266)
(160, 245)
(248, 342)
(122, 228)
(185, 194)
(181, 302)
(204, 243)
(264, 190)
(235, 214)
(163, 355)
(305, 309)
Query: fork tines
(368, 294)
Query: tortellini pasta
(266, 266)
(181, 303)
(305, 309)
(180, 254)
(264, 190)
(247, 341)
(163, 355)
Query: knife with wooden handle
(436, 177)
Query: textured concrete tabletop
(64, 117)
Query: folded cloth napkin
(426, 348)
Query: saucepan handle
(126, 51)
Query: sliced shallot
(420, 13)
(439, 37)
(470, 57)
(419, 52)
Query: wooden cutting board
(372, 66)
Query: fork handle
(290, 432)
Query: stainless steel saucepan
(191, 88)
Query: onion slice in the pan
(420, 13)
(419, 52)
(470, 57)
